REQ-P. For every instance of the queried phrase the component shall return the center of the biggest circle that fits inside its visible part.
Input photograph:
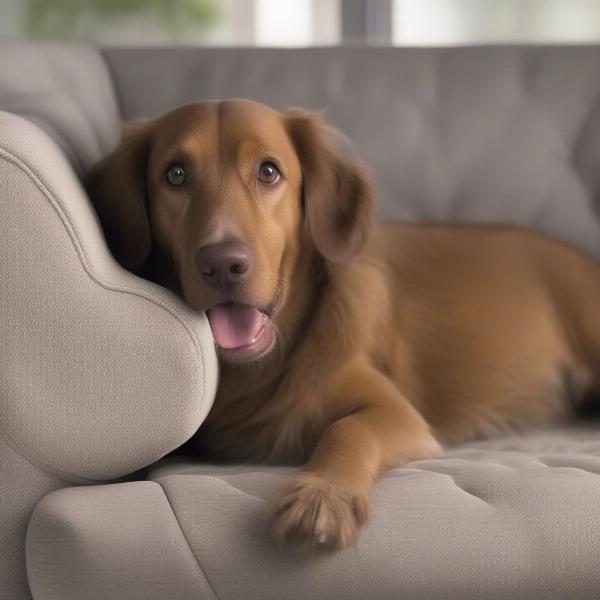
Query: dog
(345, 346)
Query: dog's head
(237, 197)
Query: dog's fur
(390, 339)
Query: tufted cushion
(66, 90)
(515, 518)
(469, 134)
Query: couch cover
(478, 134)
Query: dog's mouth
(241, 332)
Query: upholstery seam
(215, 478)
(35, 178)
(17, 161)
(61, 213)
(185, 538)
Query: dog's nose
(225, 264)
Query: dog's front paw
(312, 512)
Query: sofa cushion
(462, 134)
(113, 542)
(513, 518)
(66, 90)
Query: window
(148, 22)
(454, 22)
(304, 22)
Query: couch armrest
(101, 372)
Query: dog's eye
(176, 175)
(268, 173)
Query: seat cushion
(512, 518)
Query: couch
(103, 375)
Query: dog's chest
(269, 425)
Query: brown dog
(353, 349)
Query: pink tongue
(235, 326)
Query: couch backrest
(468, 134)
(509, 134)
(66, 90)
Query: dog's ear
(117, 188)
(338, 193)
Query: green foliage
(77, 18)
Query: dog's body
(373, 345)
(482, 329)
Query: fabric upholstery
(114, 370)
(101, 373)
(466, 134)
(515, 518)
(117, 542)
(22, 485)
(66, 90)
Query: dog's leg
(376, 429)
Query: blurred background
(303, 22)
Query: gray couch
(102, 374)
